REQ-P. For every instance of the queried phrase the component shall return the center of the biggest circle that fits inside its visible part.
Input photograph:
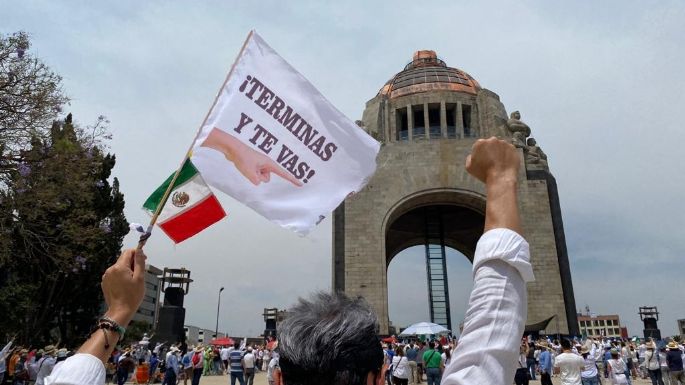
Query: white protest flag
(273, 142)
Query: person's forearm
(502, 204)
(95, 345)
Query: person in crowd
(388, 355)
(198, 362)
(46, 364)
(530, 360)
(568, 364)
(652, 363)
(273, 371)
(446, 355)
(323, 343)
(235, 361)
(617, 368)
(125, 367)
(412, 354)
(266, 359)
(207, 357)
(665, 372)
(434, 365)
(400, 367)
(674, 358)
(187, 364)
(152, 368)
(224, 357)
(420, 368)
(522, 374)
(21, 372)
(4, 354)
(589, 375)
(249, 364)
(172, 367)
(545, 360)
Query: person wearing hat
(674, 358)
(545, 361)
(652, 363)
(617, 368)
(172, 369)
(46, 364)
(198, 364)
(589, 374)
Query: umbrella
(423, 328)
(224, 341)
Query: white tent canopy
(424, 328)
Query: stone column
(410, 123)
(443, 119)
(460, 122)
(426, 124)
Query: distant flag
(191, 207)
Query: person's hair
(614, 355)
(399, 350)
(236, 345)
(448, 353)
(329, 339)
(565, 344)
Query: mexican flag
(190, 208)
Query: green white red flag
(191, 207)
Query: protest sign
(273, 142)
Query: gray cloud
(601, 85)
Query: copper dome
(428, 73)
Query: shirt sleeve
(489, 344)
(80, 369)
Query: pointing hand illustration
(254, 166)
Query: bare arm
(123, 289)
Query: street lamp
(218, 304)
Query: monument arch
(427, 117)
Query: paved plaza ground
(260, 379)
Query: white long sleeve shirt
(489, 345)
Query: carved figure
(519, 130)
(534, 154)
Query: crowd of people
(592, 361)
(596, 361)
(138, 364)
(23, 366)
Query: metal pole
(218, 305)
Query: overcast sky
(601, 84)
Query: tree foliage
(61, 220)
(31, 96)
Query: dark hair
(565, 344)
(236, 345)
(329, 339)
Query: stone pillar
(460, 122)
(410, 123)
(443, 119)
(426, 124)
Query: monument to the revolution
(427, 117)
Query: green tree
(61, 225)
(31, 96)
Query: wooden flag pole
(143, 238)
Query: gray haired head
(329, 339)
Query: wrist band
(112, 325)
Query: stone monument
(427, 117)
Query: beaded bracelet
(106, 323)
